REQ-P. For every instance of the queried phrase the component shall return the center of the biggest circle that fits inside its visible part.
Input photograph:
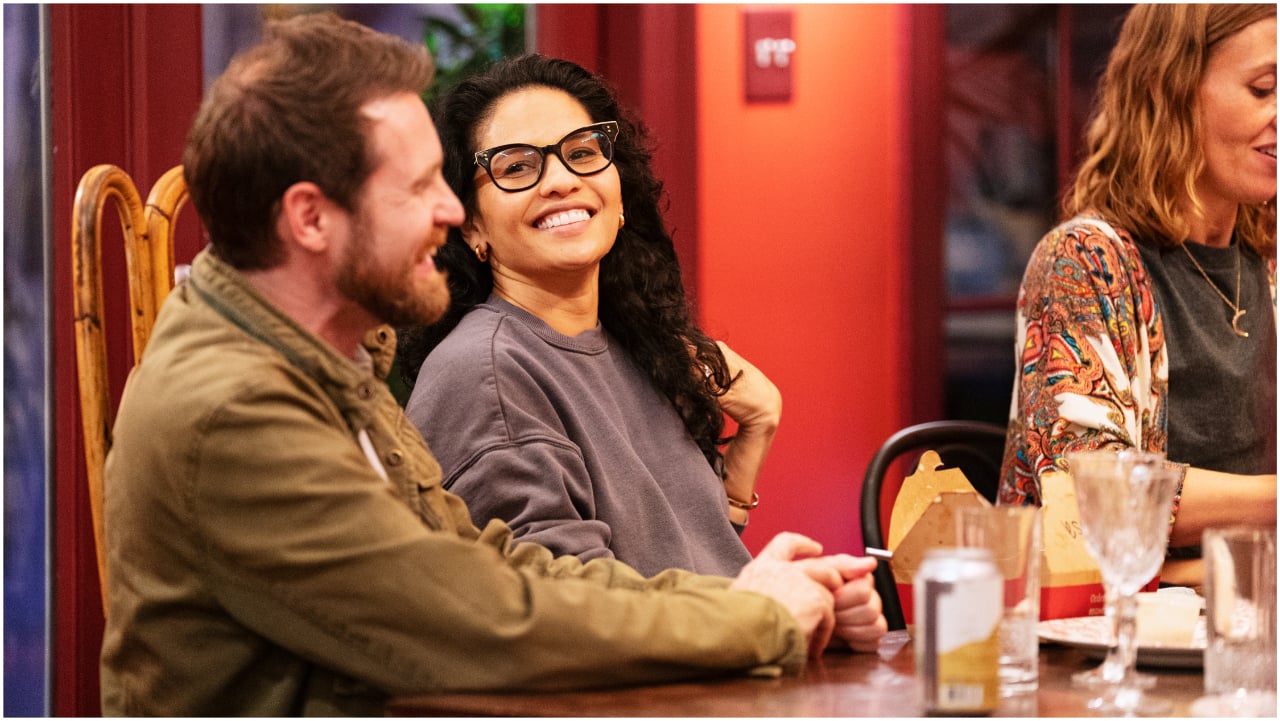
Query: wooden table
(838, 684)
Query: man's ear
(307, 216)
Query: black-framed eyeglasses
(519, 166)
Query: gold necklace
(1235, 320)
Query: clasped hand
(832, 597)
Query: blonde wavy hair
(1144, 139)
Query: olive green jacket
(278, 543)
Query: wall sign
(770, 52)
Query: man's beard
(389, 294)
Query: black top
(1222, 387)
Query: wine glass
(1124, 498)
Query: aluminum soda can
(958, 595)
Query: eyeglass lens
(518, 167)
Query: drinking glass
(1124, 498)
(1240, 585)
(1012, 534)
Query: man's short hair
(285, 111)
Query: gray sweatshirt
(570, 443)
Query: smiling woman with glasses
(568, 390)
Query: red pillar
(126, 81)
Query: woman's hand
(752, 401)
(860, 621)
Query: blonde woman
(1147, 319)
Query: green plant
(484, 33)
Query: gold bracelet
(755, 501)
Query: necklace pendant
(1235, 324)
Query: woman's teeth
(559, 219)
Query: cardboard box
(922, 519)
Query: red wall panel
(126, 81)
(803, 260)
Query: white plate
(1256, 703)
(1093, 635)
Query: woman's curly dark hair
(642, 298)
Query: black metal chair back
(975, 447)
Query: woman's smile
(563, 218)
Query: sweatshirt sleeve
(543, 491)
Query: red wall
(125, 84)
(802, 250)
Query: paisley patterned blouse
(1092, 371)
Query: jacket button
(395, 458)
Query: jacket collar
(349, 383)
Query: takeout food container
(923, 518)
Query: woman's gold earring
(482, 253)
(622, 220)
